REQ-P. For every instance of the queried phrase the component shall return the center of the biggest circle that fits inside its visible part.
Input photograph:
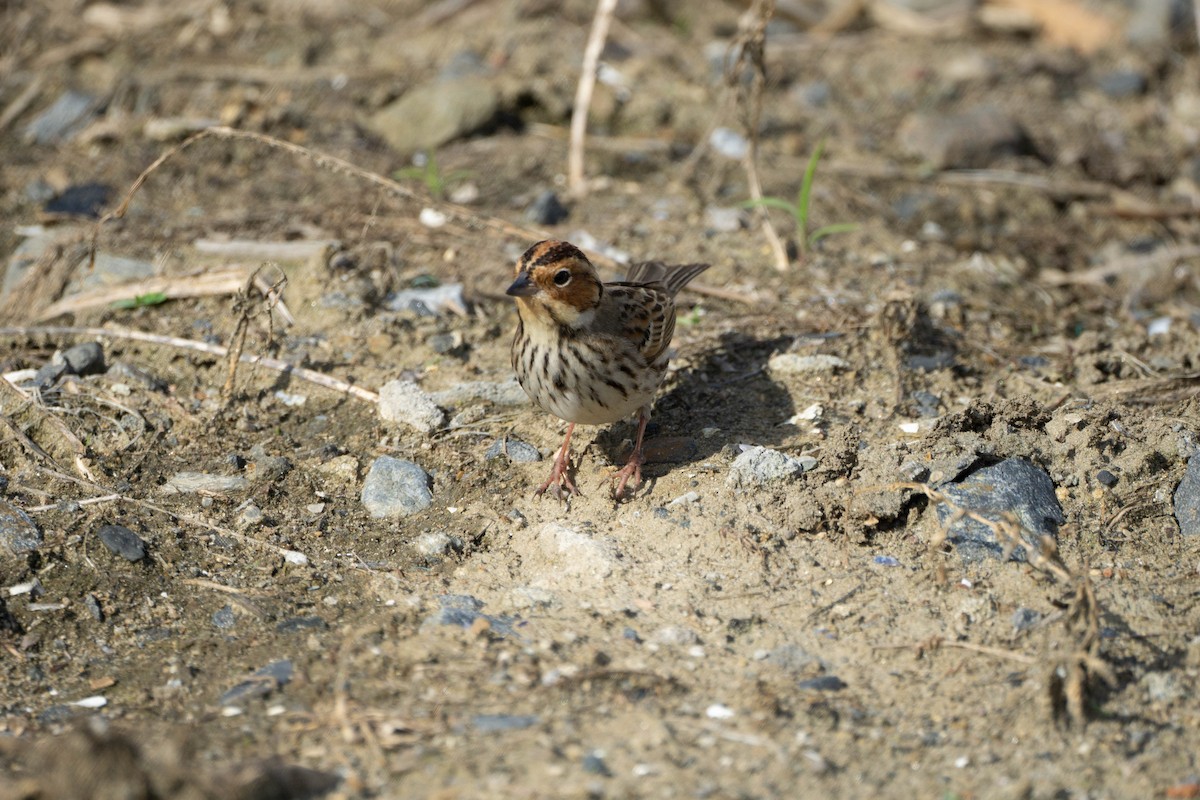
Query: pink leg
(632, 468)
(558, 474)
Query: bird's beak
(522, 286)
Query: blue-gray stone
(264, 681)
(1187, 499)
(547, 209)
(1014, 486)
(17, 531)
(395, 488)
(223, 618)
(84, 359)
(122, 542)
(496, 723)
(65, 117)
(462, 610)
(824, 683)
(515, 449)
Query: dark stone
(547, 209)
(123, 542)
(273, 676)
(1187, 499)
(84, 200)
(593, 764)
(17, 531)
(1122, 83)
(515, 449)
(223, 618)
(84, 359)
(1014, 486)
(823, 683)
(1106, 478)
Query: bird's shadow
(725, 397)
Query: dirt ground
(817, 636)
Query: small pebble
(17, 531)
(1106, 478)
(84, 359)
(123, 542)
(823, 683)
(729, 143)
(223, 618)
(432, 543)
(547, 209)
(515, 449)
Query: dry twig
(750, 46)
(576, 181)
(312, 376)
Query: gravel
(406, 403)
(761, 466)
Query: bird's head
(557, 284)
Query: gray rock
(1187, 499)
(64, 118)
(675, 636)
(432, 543)
(111, 270)
(84, 359)
(1014, 486)
(395, 488)
(724, 219)
(811, 95)
(793, 658)
(462, 611)
(497, 723)
(974, 138)
(1122, 83)
(223, 618)
(193, 482)
(122, 542)
(408, 404)
(273, 676)
(547, 209)
(504, 393)
(729, 143)
(823, 683)
(17, 531)
(1024, 619)
(431, 115)
(760, 466)
(428, 302)
(515, 449)
(795, 364)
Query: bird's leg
(558, 474)
(633, 467)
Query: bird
(591, 352)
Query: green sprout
(431, 176)
(799, 210)
(141, 301)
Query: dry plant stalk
(1071, 676)
(576, 180)
(246, 308)
(750, 46)
(310, 375)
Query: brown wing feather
(646, 316)
(673, 278)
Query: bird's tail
(673, 277)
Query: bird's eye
(562, 277)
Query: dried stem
(576, 181)
(312, 376)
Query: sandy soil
(811, 637)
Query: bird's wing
(644, 314)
